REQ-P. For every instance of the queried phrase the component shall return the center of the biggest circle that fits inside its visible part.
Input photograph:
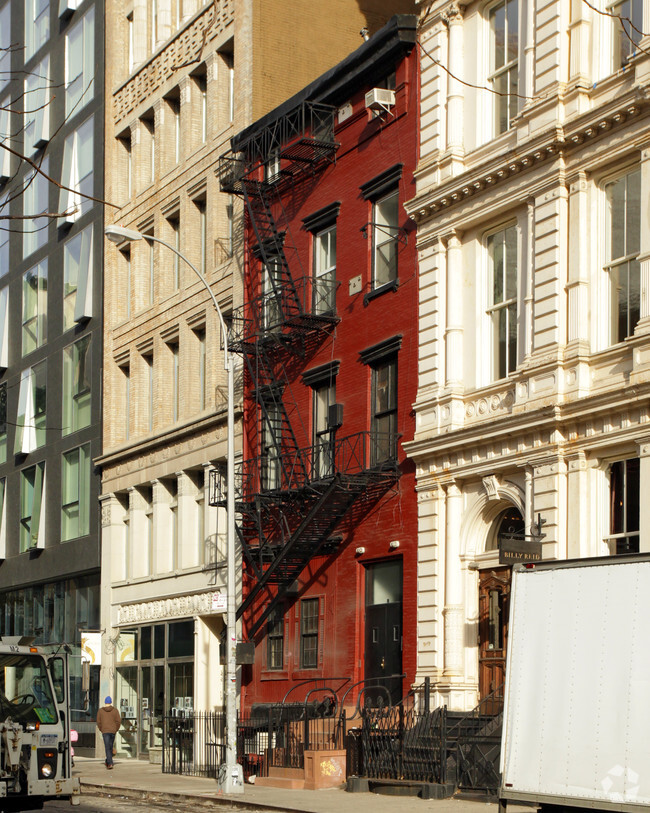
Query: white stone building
(534, 250)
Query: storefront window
(159, 684)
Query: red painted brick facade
(369, 145)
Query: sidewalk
(139, 779)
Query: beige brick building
(181, 79)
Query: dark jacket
(108, 720)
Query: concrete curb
(194, 800)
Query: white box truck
(576, 727)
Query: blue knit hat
(108, 700)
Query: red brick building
(326, 501)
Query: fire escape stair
(323, 506)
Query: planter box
(324, 769)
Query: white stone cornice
(559, 140)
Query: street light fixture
(230, 773)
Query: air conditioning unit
(380, 99)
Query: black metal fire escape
(289, 499)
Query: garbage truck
(576, 726)
(35, 764)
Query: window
(125, 370)
(230, 231)
(5, 155)
(75, 493)
(37, 25)
(624, 506)
(201, 84)
(202, 233)
(309, 633)
(324, 395)
(3, 422)
(325, 271)
(201, 361)
(384, 410)
(131, 41)
(38, 97)
(124, 143)
(385, 229)
(174, 107)
(626, 31)
(32, 402)
(271, 293)
(34, 307)
(4, 327)
(125, 257)
(275, 640)
(78, 278)
(175, 380)
(173, 222)
(77, 173)
(148, 147)
(272, 166)
(5, 45)
(271, 419)
(4, 237)
(35, 202)
(151, 264)
(623, 209)
(504, 73)
(76, 385)
(32, 507)
(502, 307)
(80, 63)
(149, 382)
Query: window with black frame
(309, 633)
(624, 488)
(275, 640)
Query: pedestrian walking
(108, 722)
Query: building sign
(513, 551)
(219, 602)
(91, 648)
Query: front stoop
(287, 778)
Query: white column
(455, 91)
(163, 554)
(528, 24)
(453, 612)
(579, 260)
(454, 331)
(188, 525)
(139, 533)
(578, 517)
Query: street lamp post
(230, 773)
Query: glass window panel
(633, 213)
(616, 198)
(75, 496)
(35, 201)
(498, 25)
(76, 385)
(34, 307)
(80, 59)
(159, 641)
(145, 643)
(181, 639)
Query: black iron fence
(195, 745)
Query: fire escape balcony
(308, 304)
(298, 139)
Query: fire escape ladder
(282, 300)
(277, 444)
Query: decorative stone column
(579, 262)
(454, 330)
(454, 611)
(453, 17)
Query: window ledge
(273, 674)
(393, 285)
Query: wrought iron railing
(348, 456)
(277, 735)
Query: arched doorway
(494, 606)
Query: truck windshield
(25, 692)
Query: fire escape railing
(347, 456)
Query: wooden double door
(494, 610)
